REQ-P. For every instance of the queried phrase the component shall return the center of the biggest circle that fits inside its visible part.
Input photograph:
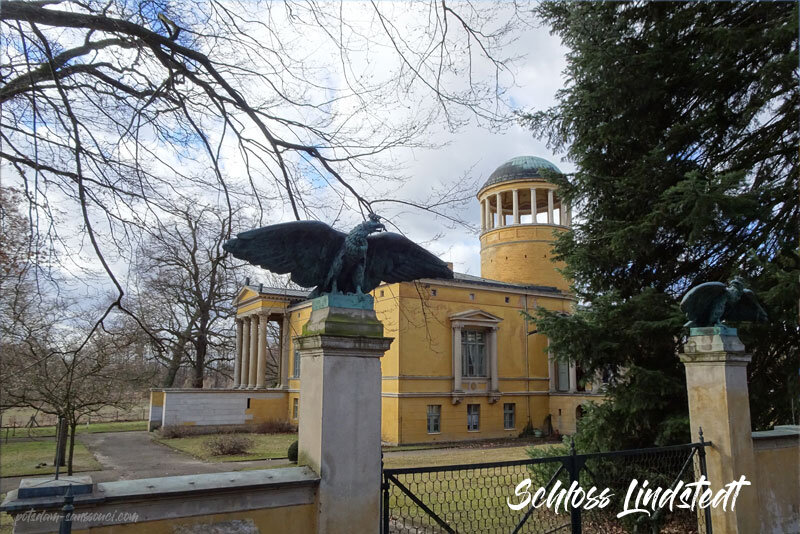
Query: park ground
(125, 451)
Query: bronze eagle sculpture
(712, 302)
(319, 256)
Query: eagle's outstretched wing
(746, 309)
(393, 258)
(698, 303)
(304, 248)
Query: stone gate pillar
(716, 381)
(340, 410)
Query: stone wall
(243, 502)
(777, 455)
(221, 406)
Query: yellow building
(465, 363)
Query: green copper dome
(520, 168)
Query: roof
(520, 168)
(281, 291)
(477, 280)
(302, 294)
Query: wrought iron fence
(474, 498)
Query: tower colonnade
(524, 204)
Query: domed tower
(521, 215)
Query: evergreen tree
(682, 120)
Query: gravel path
(132, 455)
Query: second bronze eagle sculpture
(319, 256)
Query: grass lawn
(19, 458)
(50, 431)
(472, 500)
(426, 458)
(264, 446)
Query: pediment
(244, 294)
(475, 317)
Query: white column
(237, 360)
(500, 220)
(484, 225)
(551, 368)
(493, 379)
(245, 365)
(253, 363)
(515, 207)
(549, 206)
(533, 205)
(489, 213)
(573, 378)
(261, 368)
(285, 351)
(458, 372)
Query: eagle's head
(372, 224)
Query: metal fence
(473, 498)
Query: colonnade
(250, 364)
(529, 205)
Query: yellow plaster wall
(264, 410)
(156, 398)
(778, 486)
(390, 429)
(299, 519)
(414, 413)
(522, 254)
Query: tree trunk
(72, 428)
(201, 349)
(61, 442)
(173, 367)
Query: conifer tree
(682, 121)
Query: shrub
(292, 452)
(274, 426)
(227, 444)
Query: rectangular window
(509, 415)
(434, 418)
(296, 370)
(473, 353)
(295, 407)
(473, 416)
(562, 376)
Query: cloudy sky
(476, 151)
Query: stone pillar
(489, 213)
(515, 206)
(484, 220)
(261, 368)
(340, 415)
(716, 382)
(285, 351)
(493, 378)
(533, 205)
(237, 360)
(245, 365)
(573, 378)
(568, 212)
(253, 363)
(549, 206)
(458, 372)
